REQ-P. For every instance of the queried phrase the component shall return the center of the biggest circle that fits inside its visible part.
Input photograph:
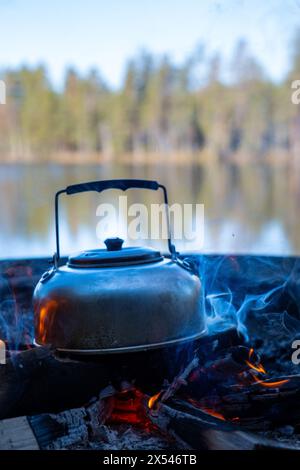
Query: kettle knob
(114, 244)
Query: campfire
(231, 390)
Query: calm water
(248, 209)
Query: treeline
(160, 110)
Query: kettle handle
(100, 186)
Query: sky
(106, 33)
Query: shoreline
(204, 158)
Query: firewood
(254, 406)
(16, 434)
(200, 431)
(85, 428)
(198, 378)
(34, 381)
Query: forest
(199, 110)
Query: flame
(278, 383)
(152, 400)
(258, 367)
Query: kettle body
(118, 300)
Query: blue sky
(105, 33)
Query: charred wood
(255, 406)
(200, 431)
(34, 381)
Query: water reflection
(247, 209)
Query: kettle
(118, 299)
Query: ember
(127, 407)
(213, 413)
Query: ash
(84, 430)
(125, 438)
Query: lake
(247, 209)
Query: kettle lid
(114, 255)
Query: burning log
(201, 431)
(220, 370)
(201, 376)
(259, 406)
(234, 387)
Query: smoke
(239, 289)
(16, 321)
(16, 328)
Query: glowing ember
(129, 407)
(153, 400)
(209, 411)
(213, 413)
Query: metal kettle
(117, 300)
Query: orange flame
(152, 400)
(259, 367)
(271, 384)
